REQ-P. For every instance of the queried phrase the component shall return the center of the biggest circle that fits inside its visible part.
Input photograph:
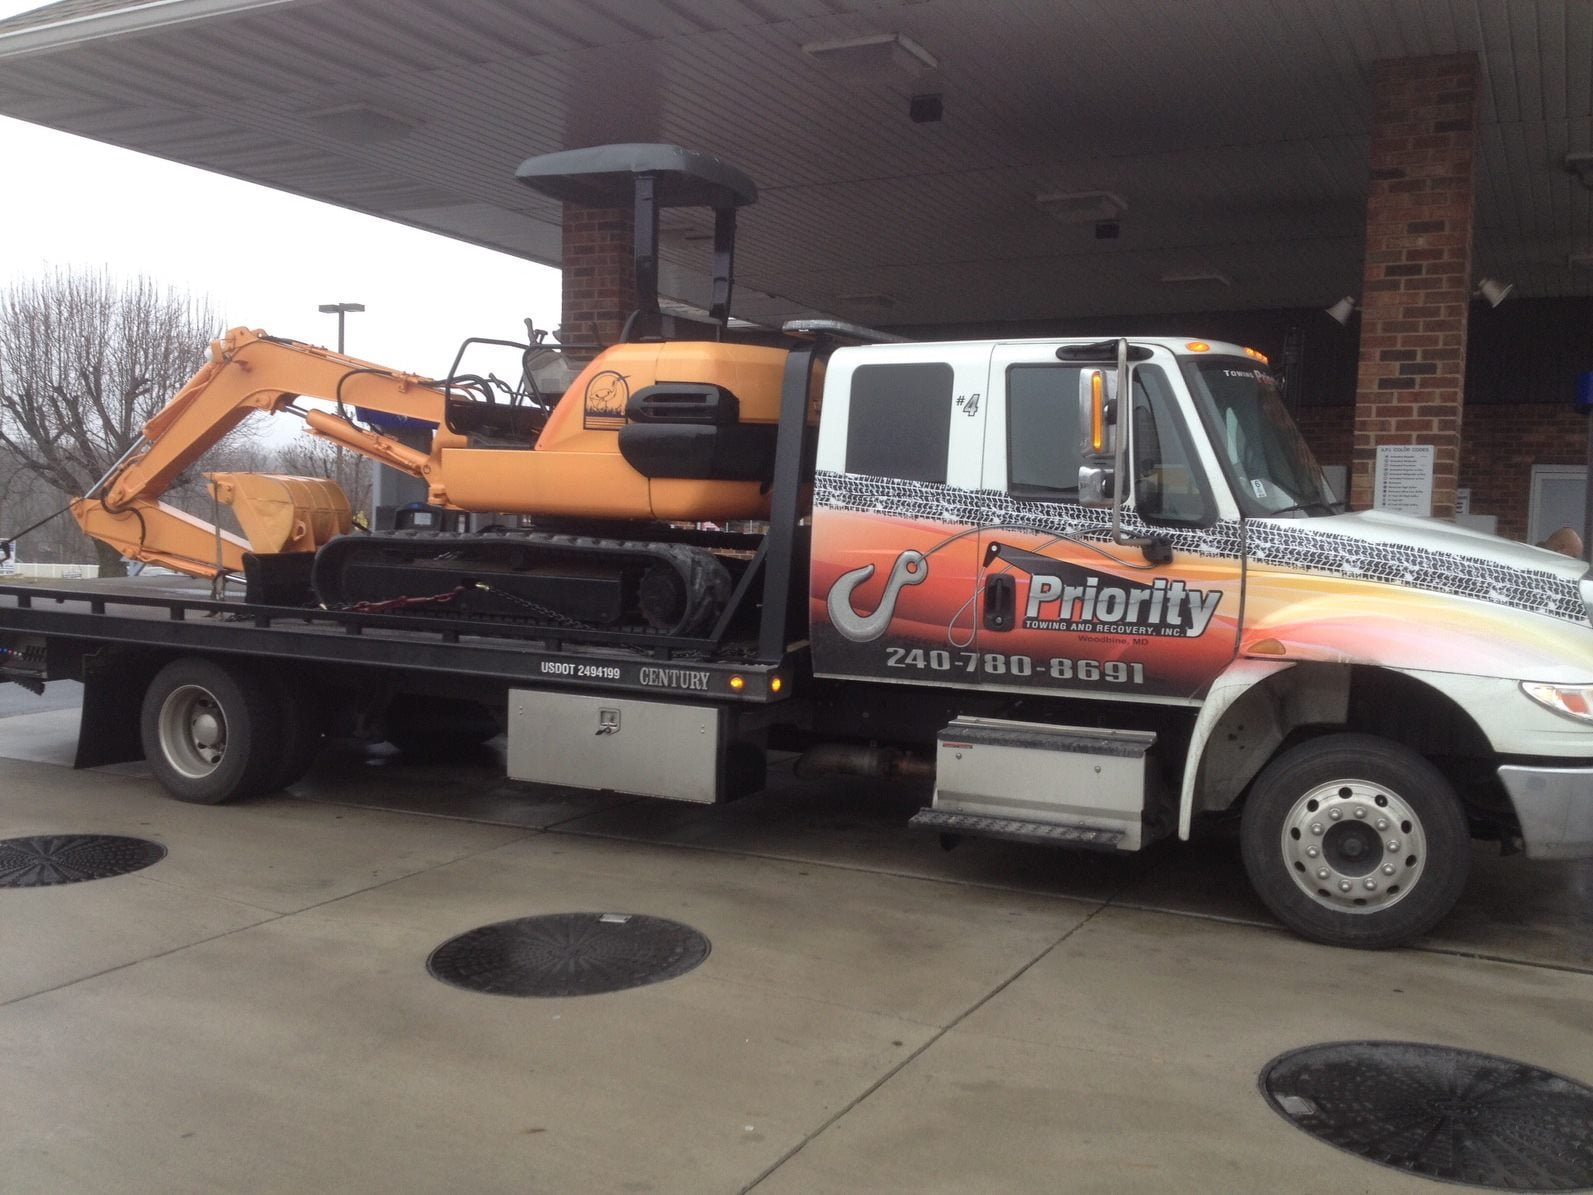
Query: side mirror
(1098, 433)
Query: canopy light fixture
(871, 59)
(1494, 291)
(360, 122)
(1342, 310)
(1197, 276)
(1081, 207)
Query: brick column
(599, 273)
(1418, 268)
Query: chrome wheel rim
(1354, 846)
(193, 731)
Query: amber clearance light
(1097, 411)
(1198, 346)
(1261, 357)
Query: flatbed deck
(180, 613)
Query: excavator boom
(247, 372)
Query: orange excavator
(603, 459)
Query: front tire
(1352, 840)
(211, 732)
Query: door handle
(1001, 602)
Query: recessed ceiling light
(1211, 276)
(873, 58)
(1081, 207)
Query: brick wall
(1330, 431)
(599, 273)
(1418, 268)
(1503, 443)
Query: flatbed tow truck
(1098, 590)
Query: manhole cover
(71, 858)
(1452, 1115)
(568, 954)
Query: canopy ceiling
(1234, 131)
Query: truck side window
(1166, 487)
(1043, 430)
(900, 421)
(1043, 443)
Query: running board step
(1016, 829)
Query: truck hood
(1434, 535)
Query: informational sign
(1405, 479)
(1463, 501)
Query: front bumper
(1555, 809)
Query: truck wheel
(302, 733)
(211, 732)
(1355, 841)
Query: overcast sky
(265, 258)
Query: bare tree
(85, 360)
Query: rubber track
(707, 582)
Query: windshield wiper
(1325, 507)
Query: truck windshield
(1272, 469)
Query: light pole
(340, 310)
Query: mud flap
(113, 693)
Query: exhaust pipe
(885, 763)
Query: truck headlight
(1574, 701)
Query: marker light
(1198, 346)
(737, 683)
(1261, 357)
(1098, 412)
(776, 684)
(1574, 701)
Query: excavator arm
(247, 372)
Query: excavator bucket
(283, 514)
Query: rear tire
(211, 732)
(302, 731)
(1355, 841)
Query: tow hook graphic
(911, 568)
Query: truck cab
(1170, 572)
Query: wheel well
(1312, 700)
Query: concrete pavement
(254, 1014)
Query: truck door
(893, 589)
(1061, 606)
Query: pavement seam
(149, 958)
(900, 1066)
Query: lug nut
(1370, 885)
(1311, 852)
(1322, 873)
(1393, 844)
(1344, 885)
(1359, 812)
(1388, 869)
(1382, 823)
(1316, 827)
(1335, 814)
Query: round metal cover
(71, 858)
(568, 954)
(1446, 1114)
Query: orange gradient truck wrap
(894, 597)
